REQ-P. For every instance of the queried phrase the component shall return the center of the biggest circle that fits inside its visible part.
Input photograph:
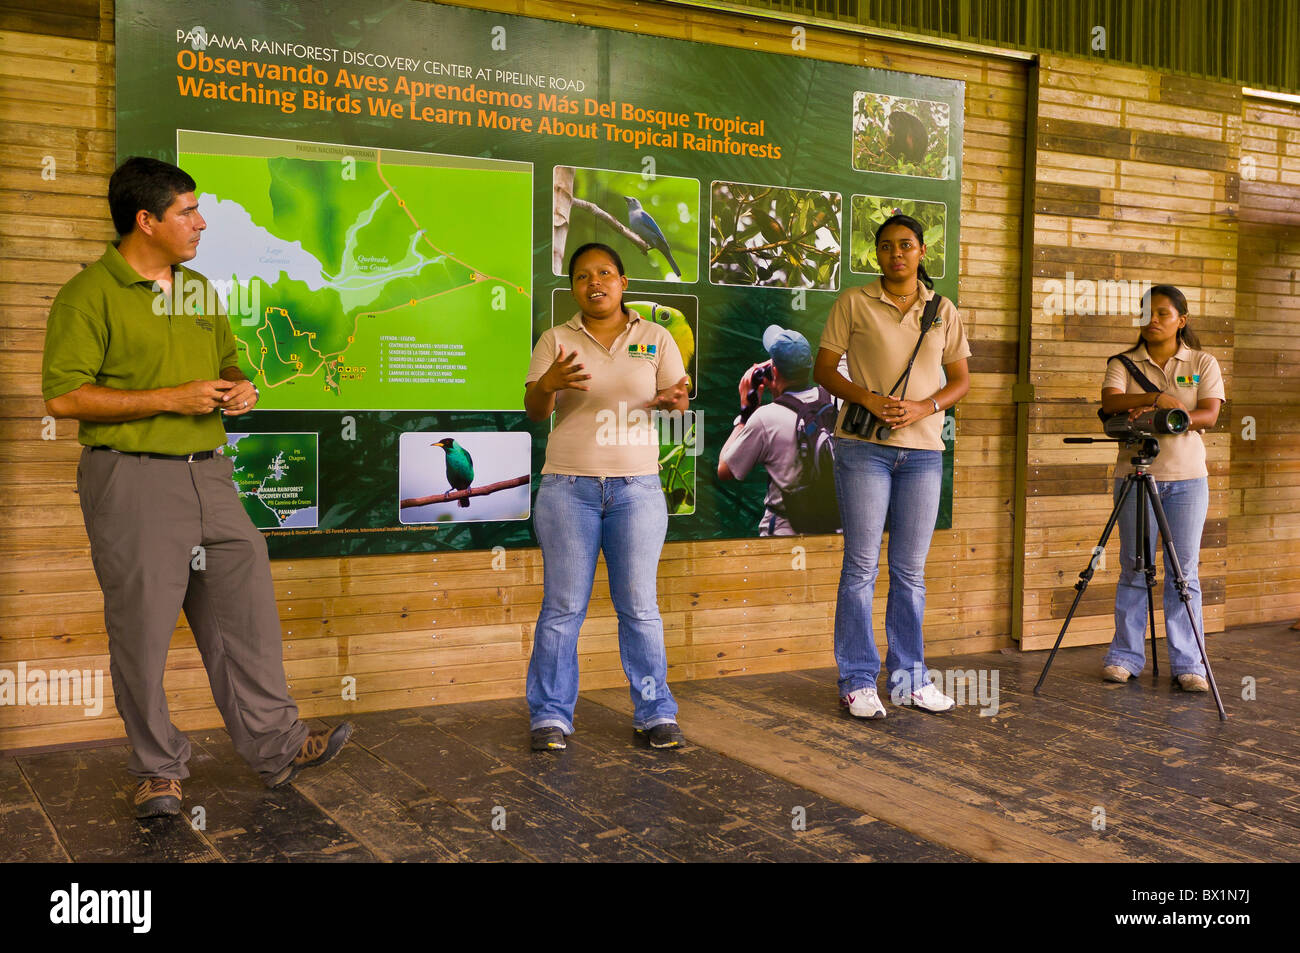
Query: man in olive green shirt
(140, 352)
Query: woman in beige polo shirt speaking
(1168, 354)
(890, 475)
(603, 373)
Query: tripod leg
(1144, 562)
(1180, 583)
(1151, 598)
(1086, 576)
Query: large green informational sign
(392, 190)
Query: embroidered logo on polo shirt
(1187, 380)
(645, 352)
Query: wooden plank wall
(417, 630)
(1264, 487)
(1136, 180)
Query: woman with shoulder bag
(889, 459)
(1168, 354)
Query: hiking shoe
(930, 698)
(548, 738)
(157, 797)
(1116, 673)
(667, 735)
(1191, 682)
(863, 703)
(320, 746)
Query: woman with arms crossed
(892, 480)
(598, 493)
(1169, 355)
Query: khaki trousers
(167, 536)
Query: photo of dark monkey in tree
(900, 136)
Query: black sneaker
(548, 738)
(667, 735)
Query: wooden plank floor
(773, 773)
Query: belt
(186, 457)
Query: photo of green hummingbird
(460, 466)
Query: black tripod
(1144, 558)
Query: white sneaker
(931, 699)
(863, 703)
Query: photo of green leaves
(763, 236)
(869, 212)
(677, 466)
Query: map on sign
(277, 477)
(368, 279)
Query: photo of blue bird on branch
(652, 221)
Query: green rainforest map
(276, 475)
(368, 279)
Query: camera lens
(1172, 421)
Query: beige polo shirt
(879, 339)
(605, 431)
(1189, 376)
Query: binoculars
(863, 423)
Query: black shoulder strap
(1143, 381)
(927, 322)
(931, 309)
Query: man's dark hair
(142, 183)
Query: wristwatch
(937, 408)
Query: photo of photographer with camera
(889, 459)
(1165, 371)
(790, 437)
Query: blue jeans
(1185, 503)
(879, 486)
(576, 517)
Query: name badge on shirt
(1187, 380)
(645, 352)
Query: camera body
(764, 374)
